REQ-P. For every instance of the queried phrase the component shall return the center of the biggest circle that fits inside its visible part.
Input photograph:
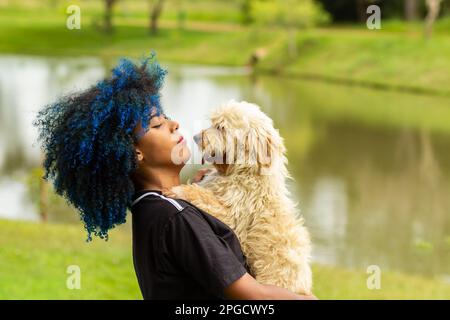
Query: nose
(175, 125)
(198, 138)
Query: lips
(180, 140)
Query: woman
(111, 148)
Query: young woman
(110, 148)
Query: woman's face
(162, 145)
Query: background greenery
(321, 40)
(381, 58)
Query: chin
(180, 154)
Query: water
(371, 168)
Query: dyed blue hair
(87, 139)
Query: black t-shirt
(180, 251)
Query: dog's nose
(198, 138)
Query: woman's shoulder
(152, 204)
(154, 207)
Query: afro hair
(87, 139)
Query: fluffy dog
(247, 191)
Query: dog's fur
(250, 195)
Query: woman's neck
(159, 179)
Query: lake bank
(35, 258)
(380, 59)
(352, 55)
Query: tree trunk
(107, 19)
(411, 10)
(155, 13)
(433, 7)
(361, 10)
(246, 11)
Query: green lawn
(395, 57)
(385, 59)
(34, 259)
(43, 32)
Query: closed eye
(161, 120)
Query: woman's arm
(247, 288)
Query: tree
(246, 11)
(290, 15)
(411, 10)
(156, 7)
(433, 7)
(107, 17)
(361, 7)
(355, 10)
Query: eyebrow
(161, 114)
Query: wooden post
(43, 196)
(43, 200)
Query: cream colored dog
(247, 191)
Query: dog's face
(240, 135)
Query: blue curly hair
(87, 139)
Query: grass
(395, 57)
(382, 59)
(34, 260)
(23, 31)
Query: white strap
(172, 201)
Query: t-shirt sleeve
(201, 253)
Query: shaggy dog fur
(247, 191)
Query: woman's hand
(201, 173)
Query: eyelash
(159, 125)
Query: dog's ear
(258, 149)
(232, 149)
(265, 152)
(236, 147)
(270, 148)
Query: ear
(258, 148)
(231, 148)
(139, 155)
(265, 151)
(246, 149)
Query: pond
(371, 168)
